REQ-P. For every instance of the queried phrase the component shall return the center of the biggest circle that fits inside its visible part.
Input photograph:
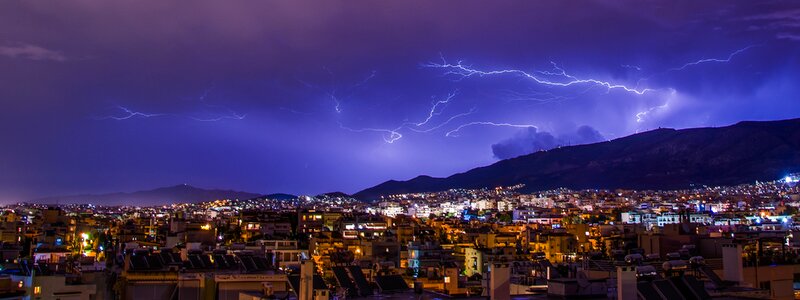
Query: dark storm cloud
(530, 140)
(586, 135)
(526, 141)
(259, 95)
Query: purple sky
(309, 97)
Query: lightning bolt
(214, 117)
(713, 60)
(232, 116)
(337, 105)
(555, 77)
(363, 82)
(463, 71)
(641, 116)
(389, 135)
(471, 111)
(129, 114)
(697, 62)
(209, 117)
(432, 112)
(453, 133)
(349, 91)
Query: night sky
(309, 97)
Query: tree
(505, 217)
(790, 210)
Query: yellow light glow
(206, 227)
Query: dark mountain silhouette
(657, 159)
(167, 195)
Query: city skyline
(313, 97)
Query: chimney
(732, 263)
(500, 282)
(626, 283)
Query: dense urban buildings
(728, 242)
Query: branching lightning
(207, 117)
(392, 135)
(337, 105)
(349, 91)
(454, 132)
(389, 135)
(714, 60)
(558, 77)
(471, 111)
(128, 115)
(232, 116)
(555, 77)
(642, 115)
(433, 111)
(463, 71)
(363, 82)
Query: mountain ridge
(663, 158)
(182, 193)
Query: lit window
(37, 290)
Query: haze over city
(311, 97)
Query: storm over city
(399, 150)
(308, 97)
